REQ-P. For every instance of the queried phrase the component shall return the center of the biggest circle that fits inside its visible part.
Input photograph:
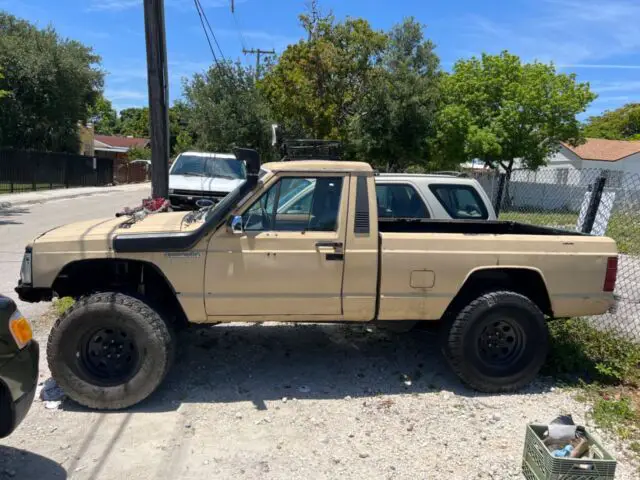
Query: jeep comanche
(493, 284)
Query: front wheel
(498, 342)
(110, 351)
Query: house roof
(605, 150)
(122, 142)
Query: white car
(201, 175)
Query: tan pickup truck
(324, 258)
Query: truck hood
(203, 184)
(96, 235)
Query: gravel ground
(279, 402)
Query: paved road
(21, 224)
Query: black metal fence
(22, 171)
(600, 202)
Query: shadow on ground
(8, 214)
(16, 463)
(259, 363)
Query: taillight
(610, 277)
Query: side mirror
(236, 225)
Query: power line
(206, 34)
(201, 9)
(239, 30)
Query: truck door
(289, 259)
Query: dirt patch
(312, 401)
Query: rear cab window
(399, 200)
(462, 202)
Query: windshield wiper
(219, 175)
(192, 174)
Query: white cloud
(125, 94)
(121, 75)
(568, 32)
(113, 5)
(622, 86)
(119, 5)
(268, 39)
(601, 66)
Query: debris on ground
(51, 392)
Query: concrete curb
(32, 198)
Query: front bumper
(19, 377)
(30, 294)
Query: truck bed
(423, 264)
(471, 227)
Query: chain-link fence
(600, 202)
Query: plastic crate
(539, 464)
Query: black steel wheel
(110, 351)
(109, 355)
(501, 341)
(498, 342)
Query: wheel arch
(139, 278)
(528, 281)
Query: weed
(613, 413)
(580, 351)
(623, 228)
(61, 305)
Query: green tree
(180, 138)
(3, 93)
(225, 109)
(139, 153)
(53, 83)
(497, 109)
(134, 122)
(104, 117)
(398, 108)
(620, 124)
(316, 87)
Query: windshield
(200, 166)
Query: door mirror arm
(236, 225)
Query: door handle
(334, 256)
(329, 244)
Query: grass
(623, 227)
(541, 218)
(606, 367)
(578, 350)
(61, 305)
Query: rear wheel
(498, 342)
(110, 351)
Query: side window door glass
(259, 217)
(297, 204)
(400, 201)
(460, 201)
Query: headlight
(25, 271)
(20, 329)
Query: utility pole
(158, 81)
(257, 52)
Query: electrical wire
(213, 35)
(206, 34)
(239, 30)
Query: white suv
(412, 196)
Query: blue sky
(598, 40)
